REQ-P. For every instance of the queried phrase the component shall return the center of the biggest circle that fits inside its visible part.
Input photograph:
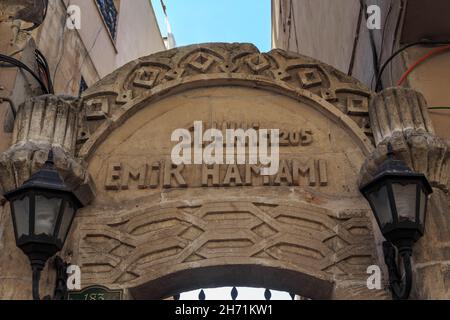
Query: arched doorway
(156, 229)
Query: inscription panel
(315, 153)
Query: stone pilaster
(400, 116)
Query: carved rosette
(400, 116)
(43, 123)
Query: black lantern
(398, 198)
(42, 209)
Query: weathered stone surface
(44, 123)
(399, 110)
(154, 233)
(400, 117)
(138, 236)
(120, 95)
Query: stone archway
(144, 233)
(154, 229)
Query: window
(109, 12)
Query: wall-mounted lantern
(43, 209)
(398, 198)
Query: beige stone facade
(335, 32)
(89, 52)
(155, 229)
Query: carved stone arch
(153, 237)
(121, 94)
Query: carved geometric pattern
(258, 63)
(146, 77)
(162, 71)
(132, 247)
(357, 105)
(201, 62)
(97, 109)
(309, 78)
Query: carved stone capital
(44, 123)
(400, 116)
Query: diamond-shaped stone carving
(146, 77)
(309, 78)
(258, 63)
(357, 105)
(264, 231)
(201, 62)
(97, 109)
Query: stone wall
(167, 229)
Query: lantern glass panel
(380, 202)
(21, 216)
(405, 200)
(423, 205)
(46, 215)
(66, 220)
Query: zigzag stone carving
(120, 249)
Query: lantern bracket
(400, 284)
(60, 292)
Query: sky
(199, 21)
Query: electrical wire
(43, 65)
(420, 61)
(20, 65)
(439, 108)
(396, 53)
(382, 45)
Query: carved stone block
(44, 123)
